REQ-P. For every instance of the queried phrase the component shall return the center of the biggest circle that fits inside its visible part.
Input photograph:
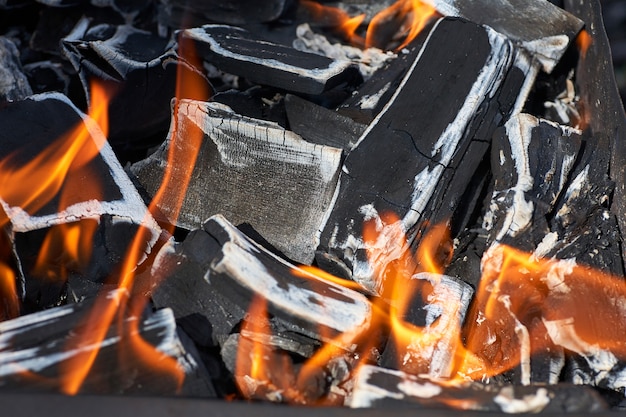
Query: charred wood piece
(379, 387)
(540, 27)
(36, 348)
(416, 145)
(239, 52)
(251, 171)
(217, 271)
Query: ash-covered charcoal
(43, 351)
(399, 161)
(317, 124)
(96, 194)
(531, 161)
(538, 26)
(217, 271)
(437, 308)
(237, 51)
(250, 171)
(182, 14)
(13, 83)
(142, 66)
(378, 387)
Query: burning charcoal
(437, 308)
(251, 171)
(40, 350)
(177, 13)
(13, 83)
(217, 271)
(91, 190)
(141, 65)
(604, 111)
(236, 51)
(400, 162)
(538, 26)
(379, 387)
(317, 124)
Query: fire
(583, 42)
(398, 24)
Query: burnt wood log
(378, 388)
(399, 161)
(36, 348)
(13, 83)
(217, 271)
(239, 52)
(250, 171)
(540, 27)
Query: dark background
(614, 13)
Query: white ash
(369, 60)
(532, 403)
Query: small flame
(399, 23)
(406, 18)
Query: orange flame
(172, 191)
(403, 20)
(406, 17)
(583, 42)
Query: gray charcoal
(13, 83)
(250, 171)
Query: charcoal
(237, 51)
(178, 14)
(437, 310)
(13, 83)
(410, 144)
(604, 111)
(317, 124)
(142, 66)
(217, 271)
(250, 171)
(36, 349)
(540, 27)
(45, 76)
(379, 387)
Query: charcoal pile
(388, 205)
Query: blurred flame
(400, 22)
(583, 42)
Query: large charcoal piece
(36, 352)
(251, 171)
(217, 271)
(398, 163)
(239, 52)
(380, 388)
(141, 65)
(95, 193)
(538, 26)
